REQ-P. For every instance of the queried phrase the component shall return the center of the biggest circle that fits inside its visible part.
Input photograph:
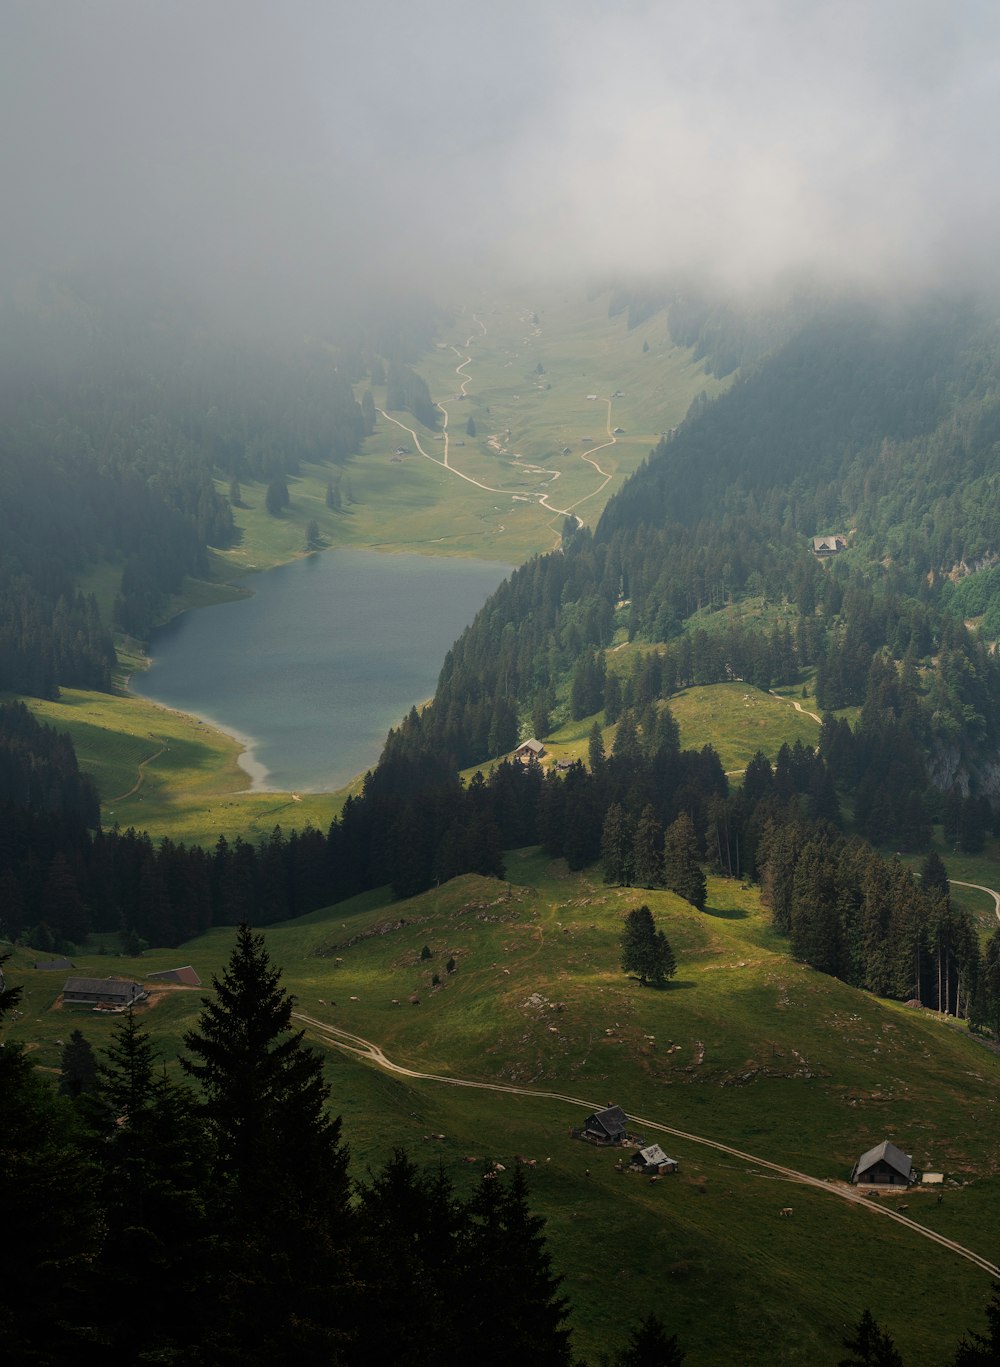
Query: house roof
(535, 746)
(652, 1156)
(48, 965)
(888, 1153)
(106, 987)
(186, 975)
(611, 1120)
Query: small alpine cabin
(606, 1127)
(652, 1159)
(883, 1166)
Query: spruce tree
(681, 871)
(617, 846)
(78, 1067)
(507, 1266)
(870, 1346)
(280, 1166)
(650, 1346)
(934, 875)
(156, 1192)
(51, 1220)
(646, 952)
(983, 1350)
(647, 857)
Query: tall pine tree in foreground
(156, 1193)
(281, 1168)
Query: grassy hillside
(745, 1047)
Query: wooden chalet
(829, 545)
(529, 750)
(883, 1166)
(652, 1159)
(54, 965)
(606, 1127)
(104, 992)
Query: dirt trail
(139, 780)
(980, 888)
(798, 707)
(542, 500)
(366, 1049)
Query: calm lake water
(311, 672)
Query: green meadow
(745, 1047)
(170, 774)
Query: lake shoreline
(309, 671)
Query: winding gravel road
(362, 1048)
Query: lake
(312, 670)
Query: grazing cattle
(395, 1001)
(355, 999)
(786, 1210)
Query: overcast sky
(273, 149)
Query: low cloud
(276, 156)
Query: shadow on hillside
(726, 913)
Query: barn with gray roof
(119, 992)
(884, 1166)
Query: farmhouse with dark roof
(606, 1127)
(115, 992)
(884, 1166)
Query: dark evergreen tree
(646, 952)
(984, 1012)
(78, 1067)
(647, 850)
(277, 497)
(617, 846)
(651, 1346)
(934, 875)
(506, 1263)
(51, 1220)
(157, 1192)
(870, 1346)
(681, 870)
(982, 1350)
(280, 1165)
